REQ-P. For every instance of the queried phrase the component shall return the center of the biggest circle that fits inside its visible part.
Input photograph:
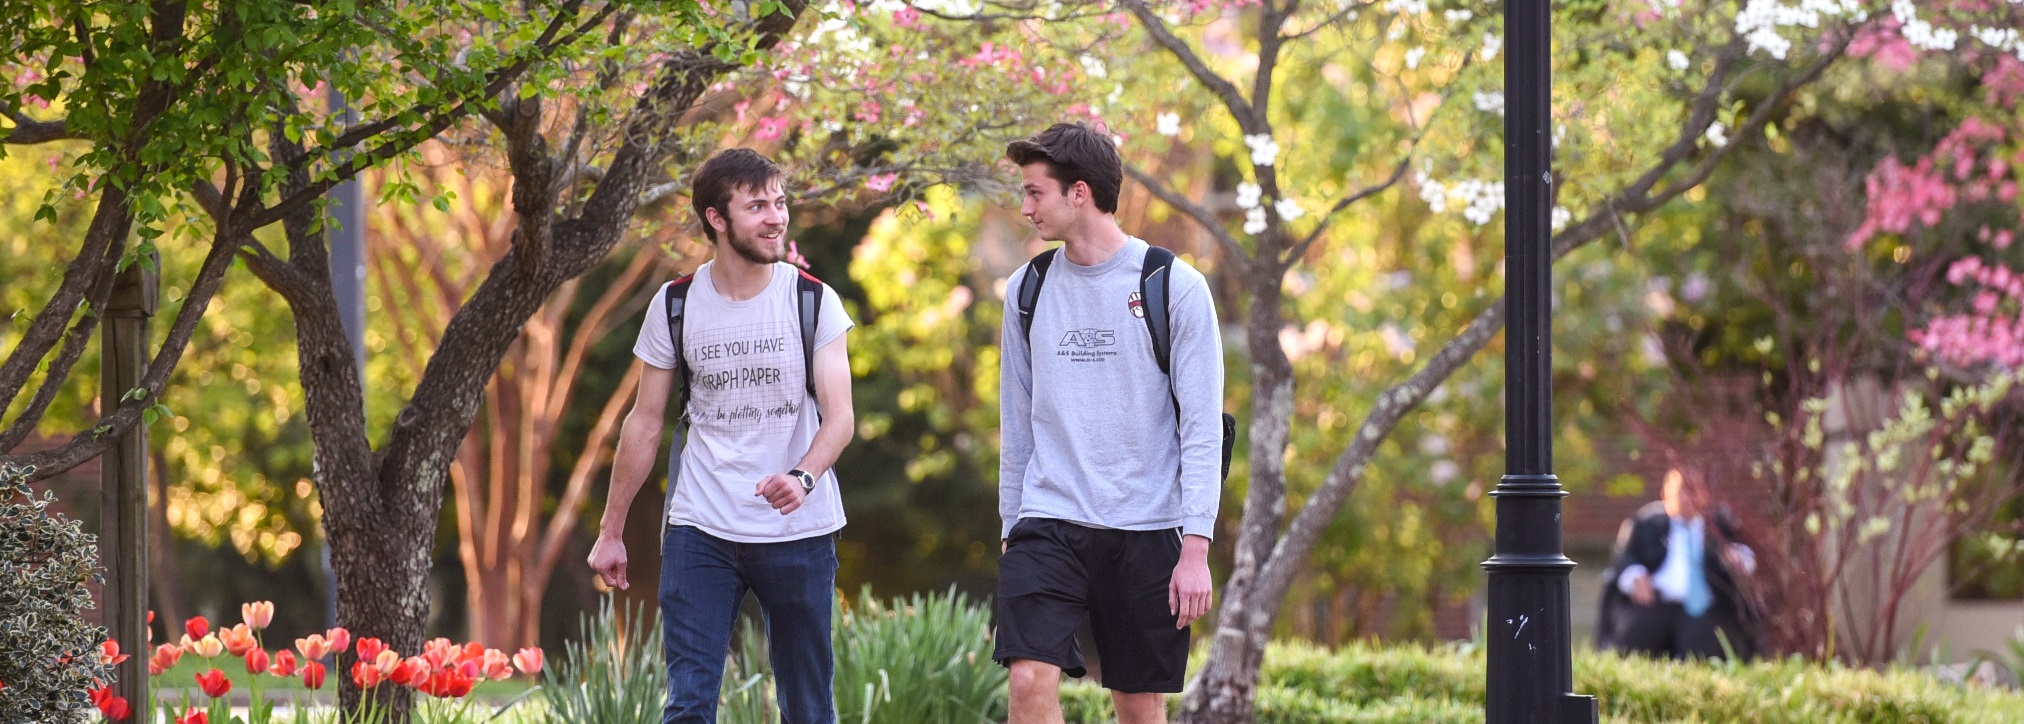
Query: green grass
(1364, 683)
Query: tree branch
(1233, 100)
(435, 122)
(109, 223)
(28, 131)
(92, 443)
(74, 344)
(1202, 216)
(1395, 402)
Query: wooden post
(123, 528)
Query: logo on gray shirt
(1089, 338)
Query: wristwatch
(807, 480)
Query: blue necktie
(1699, 596)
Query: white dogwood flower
(1247, 195)
(1264, 150)
(1254, 220)
(1288, 209)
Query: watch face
(807, 481)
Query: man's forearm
(835, 432)
(638, 444)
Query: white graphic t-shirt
(750, 415)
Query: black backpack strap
(1155, 278)
(677, 298)
(1029, 292)
(1153, 286)
(808, 306)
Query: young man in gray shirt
(1110, 475)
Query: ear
(716, 220)
(1079, 193)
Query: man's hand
(782, 491)
(1641, 592)
(1191, 590)
(607, 557)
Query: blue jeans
(703, 580)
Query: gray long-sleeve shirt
(1088, 431)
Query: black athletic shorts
(1054, 573)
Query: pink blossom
(739, 109)
(881, 182)
(907, 17)
(868, 111)
(1885, 45)
(770, 128)
(2004, 83)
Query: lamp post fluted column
(1531, 657)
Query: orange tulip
(256, 661)
(339, 638)
(214, 683)
(528, 660)
(365, 675)
(312, 675)
(387, 661)
(313, 648)
(496, 664)
(108, 652)
(257, 614)
(164, 658)
(196, 627)
(238, 639)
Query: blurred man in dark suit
(1671, 587)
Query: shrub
(925, 658)
(1365, 683)
(614, 675)
(49, 655)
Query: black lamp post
(1531, 657)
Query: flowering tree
(1651, 98)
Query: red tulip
(195, 716)
(256, 661)
(113, 706)
(196, 627)
(365, 675)
(528, 660)
(411, 672)
(368, 648)
(108, 652)
(312, 675)
(214, 683)
(339, 638)
(284, 663)
(164, 658)
(446, 684)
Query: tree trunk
(1223, 690)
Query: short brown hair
(725, 172)
(1075, 152)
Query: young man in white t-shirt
(754, 504)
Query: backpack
(1153, 287)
